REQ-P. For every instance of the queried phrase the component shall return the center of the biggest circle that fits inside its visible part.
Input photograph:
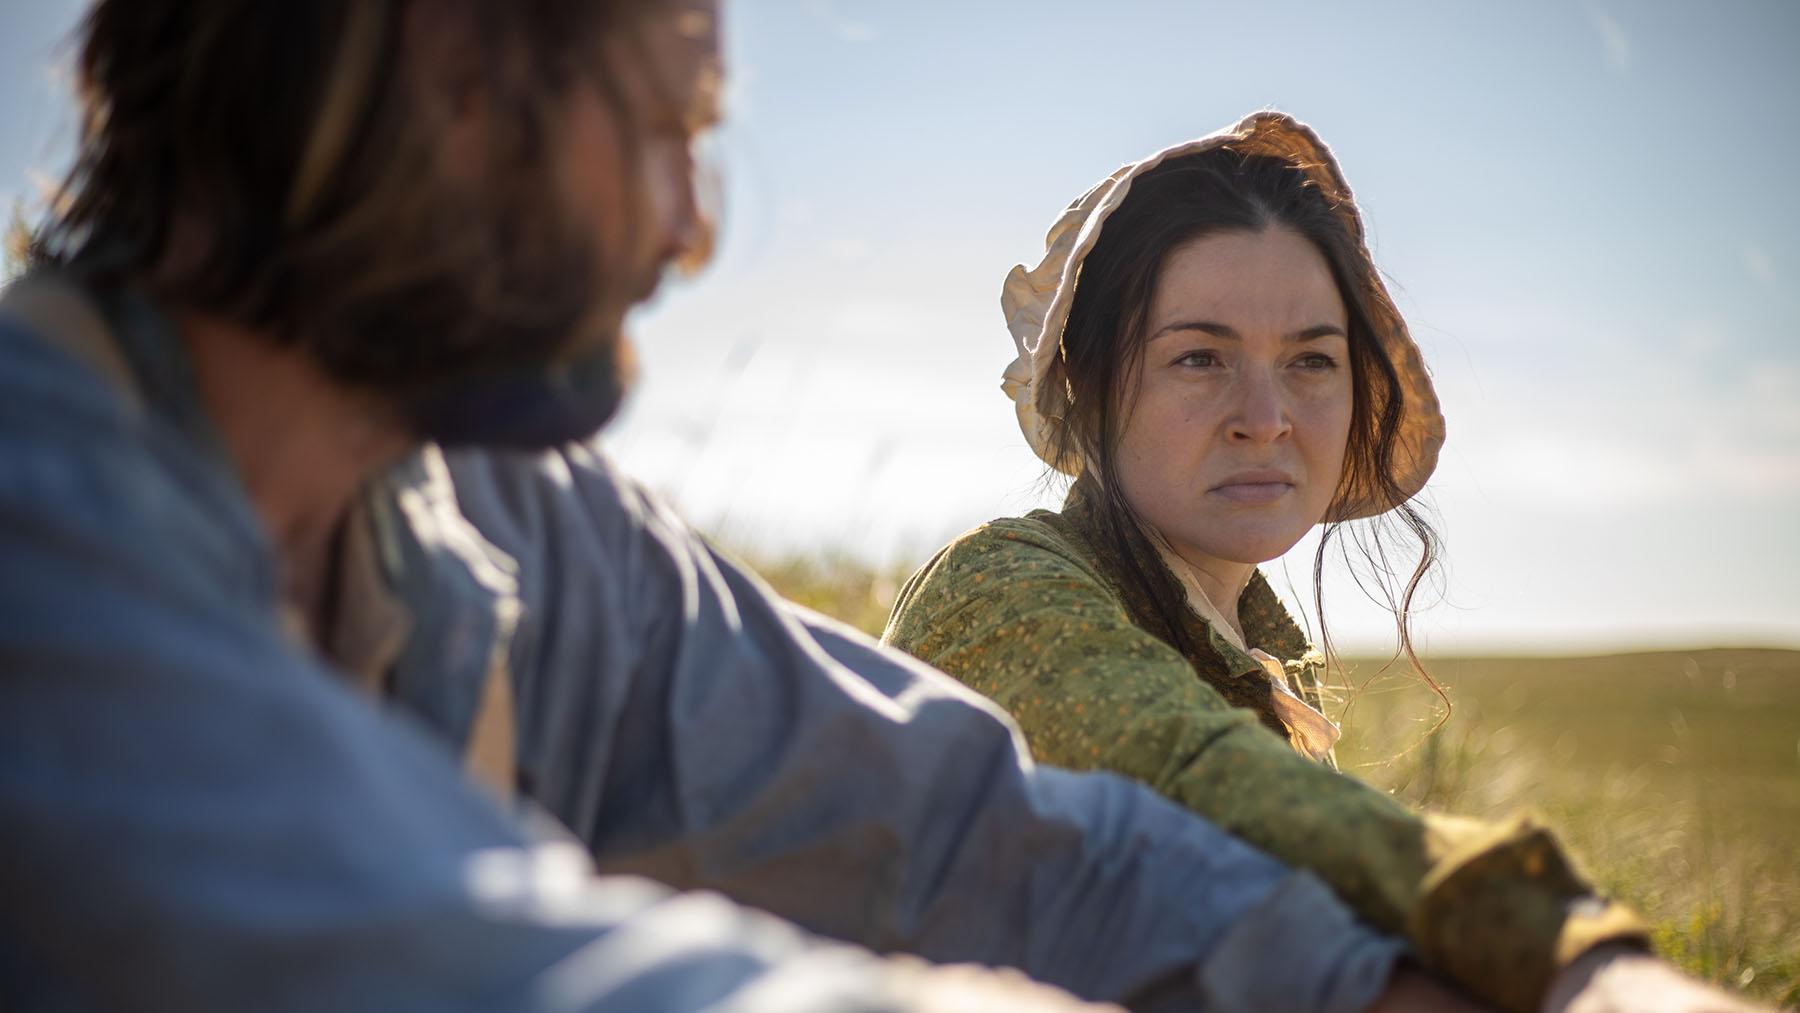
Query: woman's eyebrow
(1217, 330)
(1315, 332)
(1229, 333)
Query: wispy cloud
(848, 248)
(1577, 447)
(846, 28)
(1613, 41)
(1698, 338)
(1760, 265)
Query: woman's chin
(1249, 547)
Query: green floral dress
(1033, 612)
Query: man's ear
(450, 77)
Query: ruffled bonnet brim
(1036, 303)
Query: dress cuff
(1504, 911)
(1300, 950)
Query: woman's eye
(1199, 359)
(1316, 360)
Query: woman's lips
(1253, 492)
(1255, 487)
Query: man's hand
(1622, 979)
(971, 988)
(1413, 990)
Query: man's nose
(684, 232)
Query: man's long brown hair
(271, 163)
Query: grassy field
(1674, 776)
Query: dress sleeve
(1018, 616)
(694, 728)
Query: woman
(1208, 350)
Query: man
(281, 547)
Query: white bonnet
(1036, 302)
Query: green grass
(836, 584)
(1673, 776)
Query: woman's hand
(1622, 979)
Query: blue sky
(1587, 211)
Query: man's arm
(691, 726)
(194, 816)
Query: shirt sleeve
(693, 727)
(1021, 619)
(194, 816)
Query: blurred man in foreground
(287, 429)
(294, 527)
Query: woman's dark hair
(1184, 199)
(273, 163)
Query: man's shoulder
(48, 392)
(87, 470)
(61, 415)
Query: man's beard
(518, 347)
(525, 406)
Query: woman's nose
(1260, 413)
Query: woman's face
(1237, 417)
